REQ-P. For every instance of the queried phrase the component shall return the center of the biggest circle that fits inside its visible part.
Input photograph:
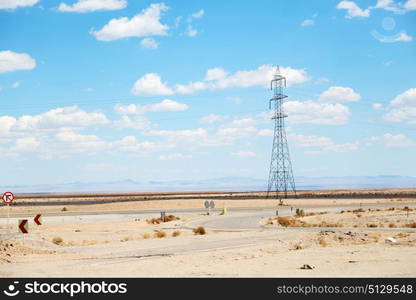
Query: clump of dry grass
(160, 220)
(176, 233)
(199, 230)
(159, 234)
(358, 210)
(57, 240)
(359, 215)
(322, 241)
(288, 222)
(411, 225)
(125, 239)
(391, 208)
(372, 225)
(64, 208)
(392, 225)
(402, 235)
(146, 236)
(297, 246)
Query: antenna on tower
(280, 176)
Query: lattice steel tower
(281, 176)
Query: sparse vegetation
(125, 239)
(64, 209)
(297, 246)
(146, 236)
(199, 230)
(176, 233)
(160, 220)
(159, 234)
(411, 225)
(322, 241)
(57, 241)
(372, 225)
(299, 212)
(392, 225)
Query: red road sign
(38, 219)
(23, 226)
(8, 197)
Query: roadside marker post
(38, 219)
(8, 198)
(163, 216)
(23, 226)
(277, 213)
(206, 204)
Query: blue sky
(107, 90)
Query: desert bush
(199, 230)
(299, 212)
(322, 241)
(176, 233)
(125, 239)
(160, 220)
(392, 225)
(57, 240)
(411, 225)
(64, 209)
(372, 225)
(146, 236)
(297, 246)
(160, 234)
(358, 210)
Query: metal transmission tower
(281, 176)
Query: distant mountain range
(225, 184)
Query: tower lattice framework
(281, 179)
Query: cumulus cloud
(217, 78)
(198, 15)
(83, 6)
(389, 140)
(13, 4)
(146, 23)
(339, 94)
(149, 43)
(320, 144)
(163, 106)
(212, 118)
(402, 108)
(175, 156)
(307, 22)
(311, 112)
(410, 5)
(12, 61)
(353, 10)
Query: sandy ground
(130, 247)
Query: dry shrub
(402, 235)
(392, 225)
(327, 224)
(358, 210)
(57, 240)
(146, 236)
(297, 246)
(125, 239)
(322, 241)
(160, 234)
(288, 222)
(270, 221)
(199, 230)
(160, 220)
(315, 213)
(176, 233)
(359, 215)
(411, 225)
(372, 225)
(64, 209)
(391, 208)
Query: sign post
(8, 198)
(38, 219)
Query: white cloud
(149, 43)
(399, 37)
(12, 61)
(353, 10)
(339, 94)
(174, 156)
(217, 78)
(311, 112)
(307, 22)
(389, 140)
(244, 154)
(198, 15)
(83, 6)
(151, 84)
(377, 106)
(410, 5)
(163, 106)
(192, 32)
(136, 122)
(211, 119)
(324, 144)
(147, 23)
(265, 132)
(403, 108)
(15, 85)
(12, 4)
(131, 144)
(26, 144)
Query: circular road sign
(8, 197)
(212, 204)
(206, 203)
